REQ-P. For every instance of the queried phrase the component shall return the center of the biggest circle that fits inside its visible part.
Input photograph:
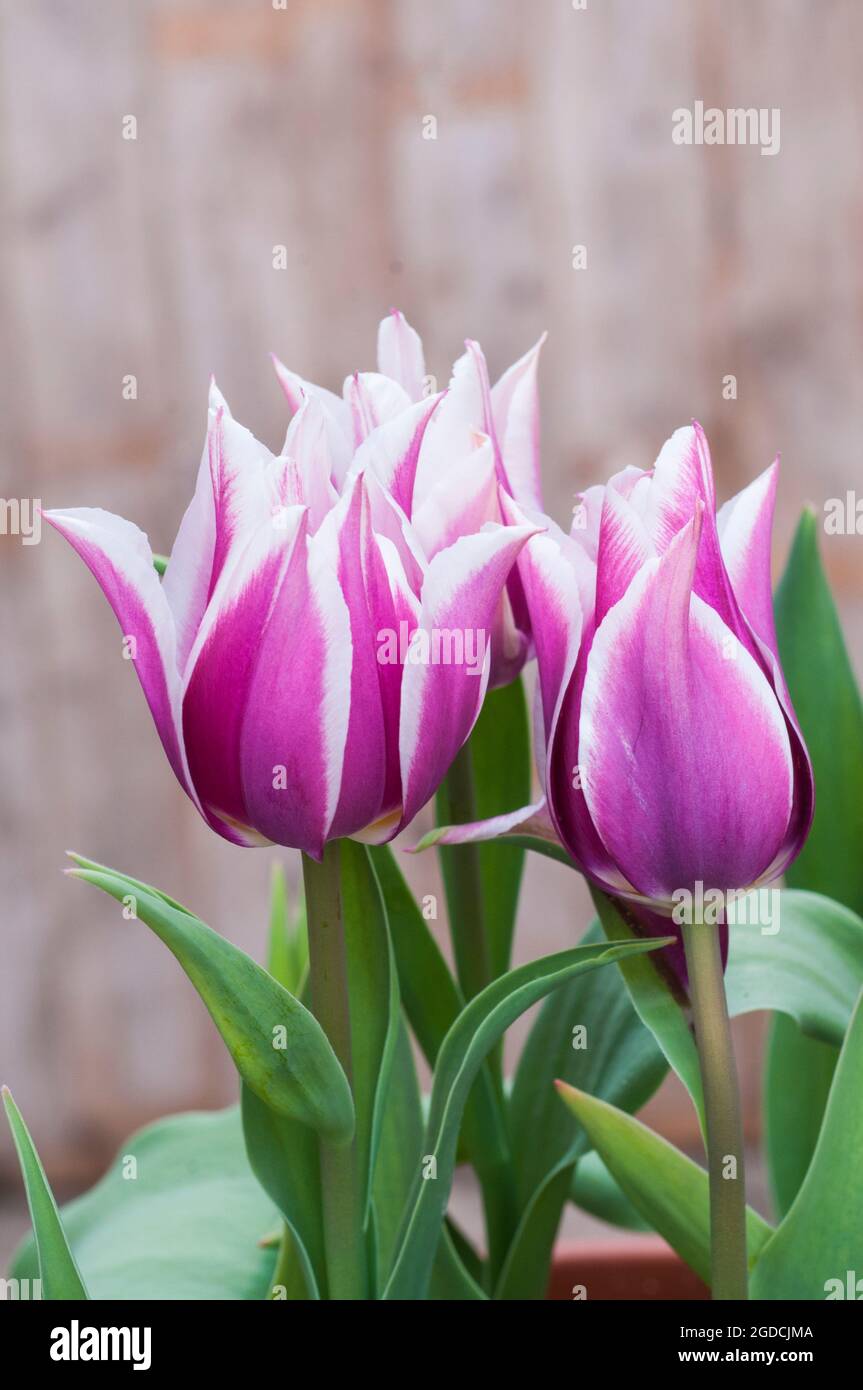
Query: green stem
(724, 1125)
(328, 978)
(463, 879)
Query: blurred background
(306, 128)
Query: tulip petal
(392, 450)
(307, 442)
(338, 416)
(266, 704)
(347, 542)
(686, 758)
(442, 698)
(624, 546)
(682, 477)
(119, 557)
(400, 354)
(745, 526)
(515, 410)
(373, 400)
(461, 502)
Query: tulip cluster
(331, 617)
(336, 635)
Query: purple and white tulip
(260, 654)
(669, 752)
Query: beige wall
(303, 127)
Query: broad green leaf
(808, 964)
(666, 1187)
(595, 1191)
(288, 946)
(587, 1032)
(278, 1046)
(283, 1155)
(821, 1238)
(56, 1266)
(501, 751)
(474, 1034)
(828, 705)
(178, 1215)
(798, 1072)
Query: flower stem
(461, 867)
(724, 1125)
(328, 978)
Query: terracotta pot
(634, 1267)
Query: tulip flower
(283, 712)
(673, 766)
(671, 754)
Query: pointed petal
(347, 544)
(745, 525)
(686, 757)
(338, 416)
(461, 503)
(307, 442)
(392, 450)
(373, 400)
(624, 546)
(441, 699)
(119, 557)
(400, 354)
(515, 409)
(267, 698)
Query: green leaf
(798, 1073)
(474, 1034)
(160, 563)
(278, 1047)
(821, 1237)
(283, 1155)
(656, 1003)
(398, 1153)
(618, 1060)
(501, 751)
(178, 1215)
(666, 1187)
(810, 967)
(60, 1276)
(828, 706)
(288, 947)
(596, 1192)
(432, 999)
